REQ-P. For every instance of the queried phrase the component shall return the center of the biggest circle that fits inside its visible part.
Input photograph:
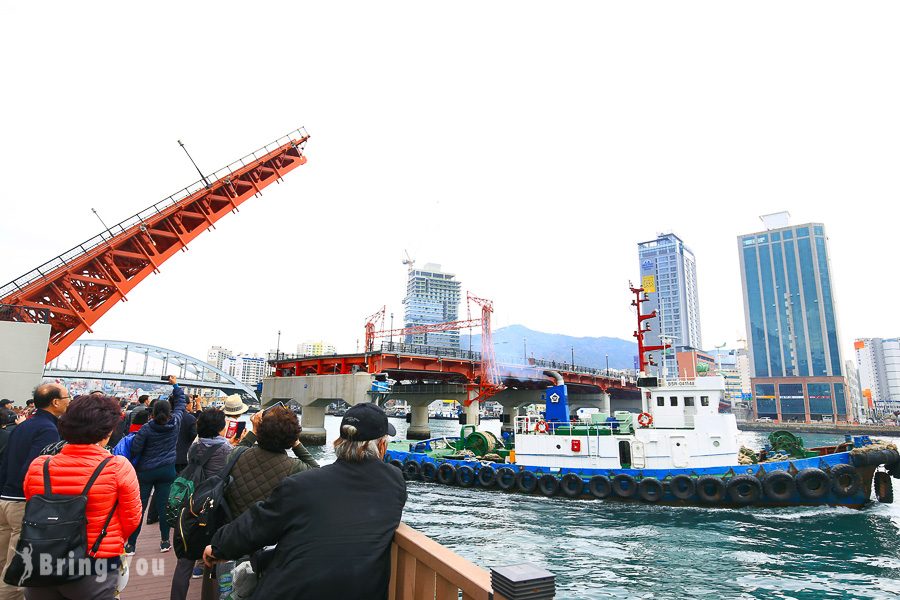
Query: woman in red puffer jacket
(86, 426)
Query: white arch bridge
(111, 360)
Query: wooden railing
(422, 569)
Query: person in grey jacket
(153, 456)
(211, 428)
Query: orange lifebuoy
(541, 426)
(645, 419)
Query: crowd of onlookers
(294, 530)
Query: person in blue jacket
(153, 457)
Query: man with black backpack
(206, 458)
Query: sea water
(609, 549)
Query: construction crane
(72, 291)
(409, 262)
(489, 383)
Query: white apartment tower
(879, 371)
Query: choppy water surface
(607, 549)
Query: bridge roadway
(425, 374)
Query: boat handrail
(527, 424)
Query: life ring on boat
(429, 472)
(548, 485)
(487, 477)
(526, 481)
(624, 485)
(599, 487)
(506, 479)
(884, 489)
(683, 487)
(645, 419)
(571, 485)
(541, 427)
(744, 489)
(845, 480)
(465, 476)
(650, 489)
(779, 486)
(412, 470)
(813, 483)
(710, 489)
(446, 474)
(397, 464)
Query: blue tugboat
(678, 450)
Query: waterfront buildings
(216, 356)
(248, 368)
(791, 318)
(432, 296)
(669, 277)
(879, 372)
(858, 406)
(729, 363)
(318, 348)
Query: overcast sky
(525, 146)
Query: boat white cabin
(686, 431)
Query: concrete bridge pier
(313, 426)
(472, 411)
(418, 429)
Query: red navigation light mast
(641, 330)
(72, 291)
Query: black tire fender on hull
(683, 487)
(744, 489)
(600, 487)
(571, 485)
(548, 485)
(845, 480)
(526, 481)
(506, 479)
(710, 489)
(446, 474)
(465, 476)
(624, 485)
(487, 477)
(412, 470)
(779, 486)
(813, 483)
(650, 489)
(429, 472)
(884, 489)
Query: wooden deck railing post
(422, 569)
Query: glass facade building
(432, 296)
(789, 310)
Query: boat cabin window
(660, 401)
(704, 400)
(688, 400)
(673, 400)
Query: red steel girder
(80, 289)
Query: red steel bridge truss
(72, 291)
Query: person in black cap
(333, 526)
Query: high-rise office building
(432, 296)
(879, 372)
(789, 310)
(669, 277)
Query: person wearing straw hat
(234, 406)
